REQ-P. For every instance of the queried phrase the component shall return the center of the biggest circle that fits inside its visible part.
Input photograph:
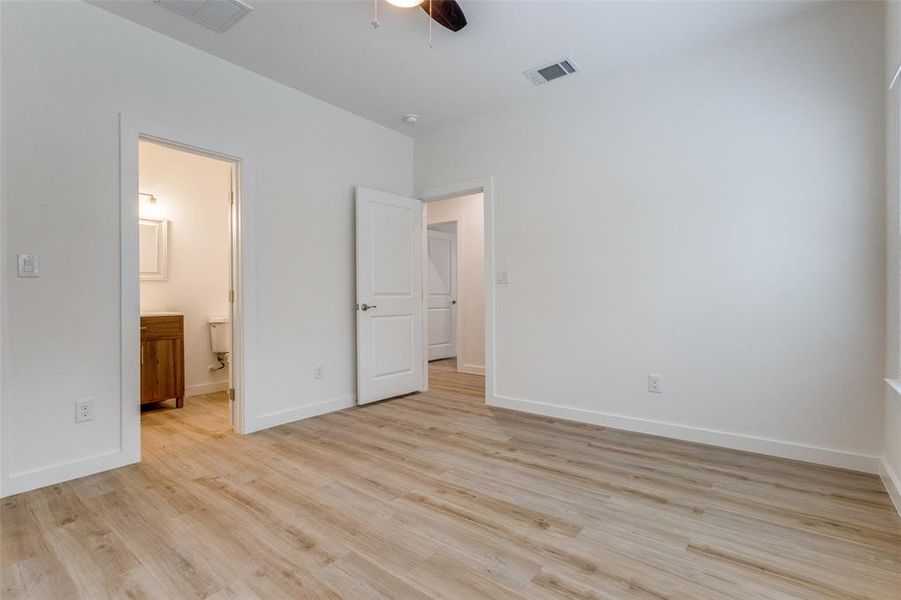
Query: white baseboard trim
(712, 437)
(471, 369)
(206, 388)
(38, 478)
(273, 419)
(892, 483)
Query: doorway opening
(392, 274)
(134, 131)
(455, 285)
(185, 237)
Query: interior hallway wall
(468, 212)
(192, 192)
(716, 218)
(891, 467)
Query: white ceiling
(329, 50)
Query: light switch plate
(27, 265)
(503, 277)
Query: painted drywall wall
(68, 70)
(192, 192)
(3, 288)
(891, 468)
(716, 219)
(468, 213)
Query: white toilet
(220, 338)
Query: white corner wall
(192, 192)
(891, 464)
(4, 271)
(717, 219)
(68, 70)
(468, 212)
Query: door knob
(365, 307)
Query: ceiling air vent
(217, 15)
(551, 72)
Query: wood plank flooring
(437, 496)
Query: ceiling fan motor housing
(446, 13)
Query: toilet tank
(220, 334)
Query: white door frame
(485, 185)
(132, 130)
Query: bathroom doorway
(185, 271)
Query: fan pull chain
(430, 23)
(375, 14)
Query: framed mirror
(153, 248)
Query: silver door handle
(365, 307)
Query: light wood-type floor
(437, 496)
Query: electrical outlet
(319, 372)
(84, 411)
(655, 384)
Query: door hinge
(231, 394)
(231, 197)
(231, 295)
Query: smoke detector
(553, 71)
(412, 118)
(218, 15)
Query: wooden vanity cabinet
(163, 359)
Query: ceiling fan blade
(446, 13)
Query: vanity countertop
(162, 313)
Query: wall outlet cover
(655, 384)
(84, 411)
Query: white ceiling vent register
(217, 15)
(551, 72)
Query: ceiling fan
(446, 13)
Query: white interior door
(389, 295)
(442, 297)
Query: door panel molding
(442, 291)
(389, 302)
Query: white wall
(4, 270)
(715, 218)
(468, 212)
(192, 192)
(891, 471)
(68, 70)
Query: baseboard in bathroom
(205, 388)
